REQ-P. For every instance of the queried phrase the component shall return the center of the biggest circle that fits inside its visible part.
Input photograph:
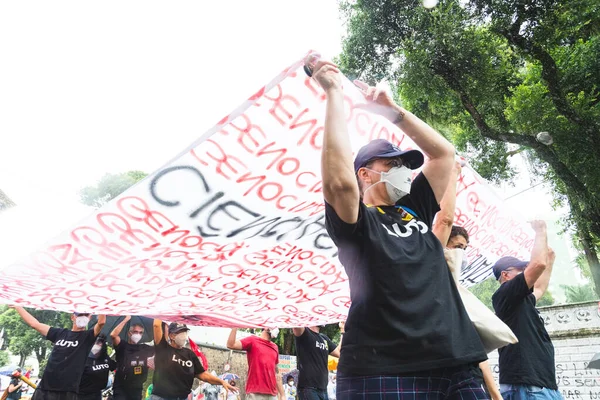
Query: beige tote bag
(493, 332)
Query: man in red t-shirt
(263, 357)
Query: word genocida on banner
(232, 231)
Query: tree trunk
(584, 231)
(288, 342)
(22, 358)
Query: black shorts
(127, 393)
(41, 394)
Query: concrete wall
(575, 333)
(217, 358)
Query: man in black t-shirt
(95, 374)
(313, 349)
(527, 367)
(132, 361)
(176, 366)
(65, 366)
(407, 330)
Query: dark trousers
(40, 394)
(312, 394)
(441, 384)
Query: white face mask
(397, 182)
(180, 339)
(274, 333)
(291, 383)
(81, 322)
(136, 337)
(465, 260)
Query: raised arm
(439, 151)
(340, 187)
(100, 324)
(232, 343)
(158, 333)
(444, 219)
(539, 254)
(541, 285)
(117, 331)
(32, 321)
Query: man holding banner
(407, 331)
(264, 382)
(527, 368)
(65, 367)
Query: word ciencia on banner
(232, 231)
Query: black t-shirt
(531, 360)
(174, 371)
(132, 364)
(312, 350)
(67, 360)
(16, 395)
(95, 374)
(406, 314)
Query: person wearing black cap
(407, 330)
(132, 361)
(176, 366)
(527, 367)
(96, 371)
(64, 369)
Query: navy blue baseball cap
(381, 148)
(176, 327)
(508, 262)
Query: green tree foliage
(489, 73)
(23, 340)
(109, 187)
(4, 358)
(579, 293)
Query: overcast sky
(88, 88)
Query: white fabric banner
(231, 232)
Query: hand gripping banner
(231, 232)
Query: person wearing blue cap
(65, 366)
(407, 333)
(526, 368)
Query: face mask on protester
(291, 383)
(465, 260)
(274, 333)
(180, 339)
(82, 322)
(397, 182)
(136, 337)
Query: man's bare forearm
(337, 166)
(428, 139)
